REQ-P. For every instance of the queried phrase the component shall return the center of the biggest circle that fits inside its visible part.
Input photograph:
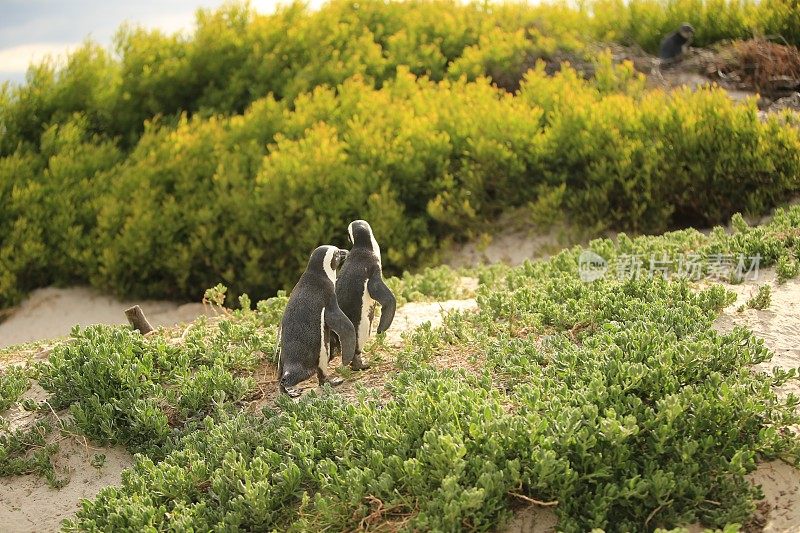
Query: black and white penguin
(674, 44)
(360, 285)
(311, 313)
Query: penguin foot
(334, 381)
(358, 364)
(293, 393)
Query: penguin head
(686, 30)
(327, 259)
(361, 236)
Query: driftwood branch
(533, 501)
(137, 319)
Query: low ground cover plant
(14, 381)
(615, 401)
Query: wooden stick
(137, 319)
(531, 500)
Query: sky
(32, 29)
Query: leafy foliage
(645, 22)
(236, 56)
(27, 451)
(761, 299)
(436, 284)
(220, 199)
(14, 381)
(123, 388)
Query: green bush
(645, 22)
(236, 56)
(617, 399)
(50, 208)
(762, 299)
(242, 200)
(14, 381)
(27, 451)
(431, 284)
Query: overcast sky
(31, 29)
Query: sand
(778, 325)
(28, 504)
(413, 315)
(52, 312)
(781, 504)
(513, 245)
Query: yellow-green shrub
(236, 55)
(264, 135)
(646, 22)
(244, 200)
(178, 212)
(49, 206)
(647, 161)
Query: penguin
(311, 314)
(674, 45)
(360, 285)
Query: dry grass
(768, 66)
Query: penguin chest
(367, 315)
(323, 344)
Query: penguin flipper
(278, 347)
(278, 354)
(344, 329)
(379, 292)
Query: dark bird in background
(675, 44)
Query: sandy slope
(52, 312)
(512, 246)
(413, 315)
(779, 326)
(28, 504)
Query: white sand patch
(510, 246)
(18, 417)
(533, 519)
(52, 312)
(28, 504)
(778, 325)
(414, 314)
(781, 485)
